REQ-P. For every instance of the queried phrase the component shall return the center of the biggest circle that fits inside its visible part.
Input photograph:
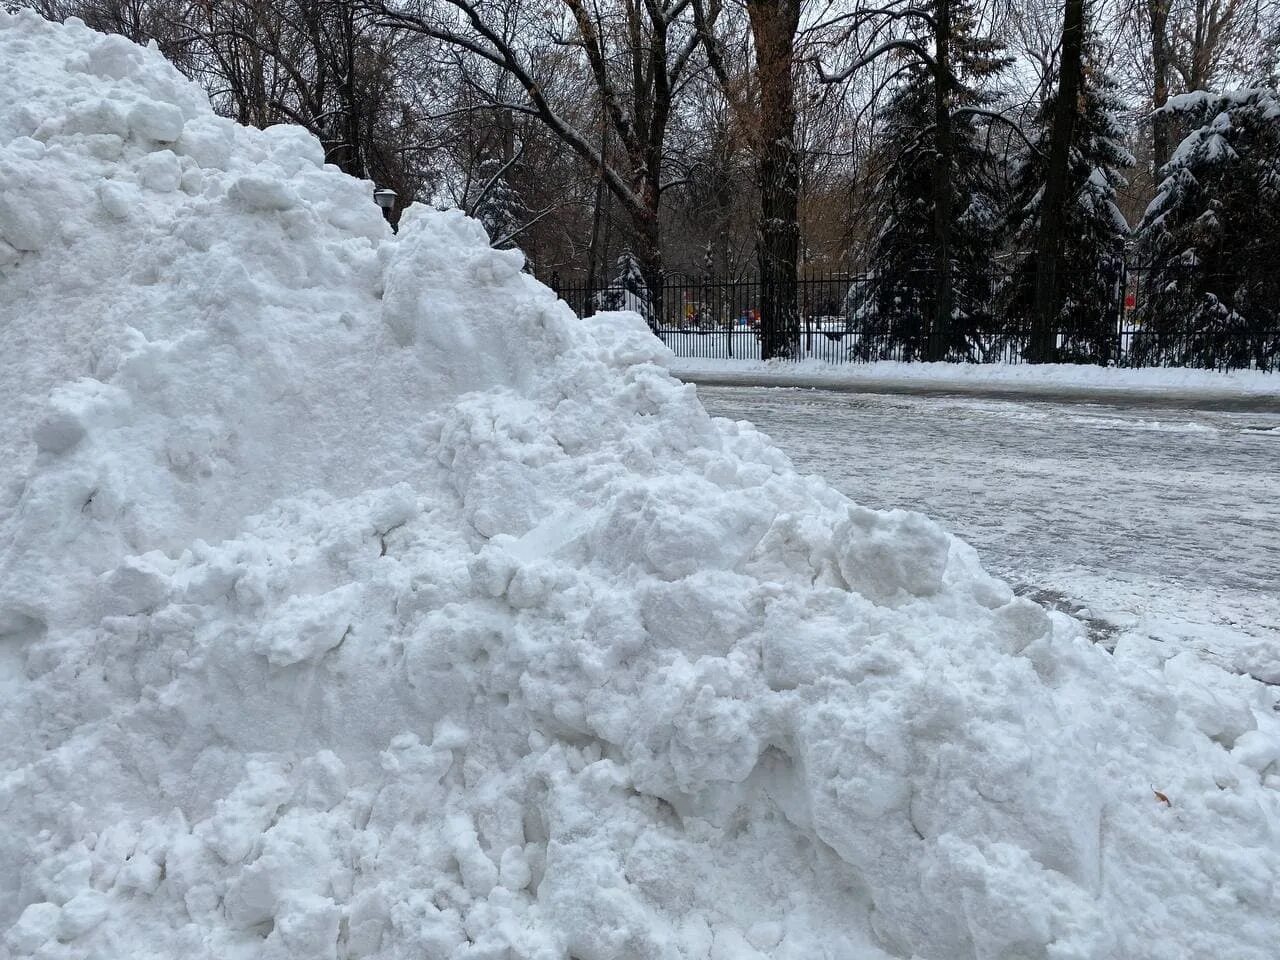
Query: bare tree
(637, 58)
(1186, 45)
(321, 64)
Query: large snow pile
(357, 600)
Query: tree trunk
(773, 27)
(1049, 237)
(944, 148)
(595, 252)
(647, 233)
(1161, 145)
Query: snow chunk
(157, 121)
(92, 117)
(115, 58)
(160, 171)
(889, 556)
(38, 924)
(261, 193)
(81, 914)
(118, 199)
(76, 408)
(307, 627)
(207, 140)
(294, 148)
(22, 225)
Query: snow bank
(357, 600)
(1056, 379)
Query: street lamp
(385, 198)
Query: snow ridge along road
(359, 601)
(1153, 387)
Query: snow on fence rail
(863, 318)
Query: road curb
(1153, 398)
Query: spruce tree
(898, 303)
(628, 291)
(1211, 237)
(1091, 261)
(499, 206)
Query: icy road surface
(1150, 522)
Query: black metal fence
(844, 319)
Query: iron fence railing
(844, 319)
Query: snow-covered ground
(1155, 523)
(357, 600)
(1076, 380)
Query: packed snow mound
(358, 600)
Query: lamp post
(385, 198)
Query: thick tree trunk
(1049, 234)
(647, 234)
(943, 188)
(773, 27)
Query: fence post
(1122, 289)
(1118, 295)
(729, 321)
(806, 308)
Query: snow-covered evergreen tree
(628, 291)
(898, 303)
(499, 206)
(1212, 236)
(1091, 263)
